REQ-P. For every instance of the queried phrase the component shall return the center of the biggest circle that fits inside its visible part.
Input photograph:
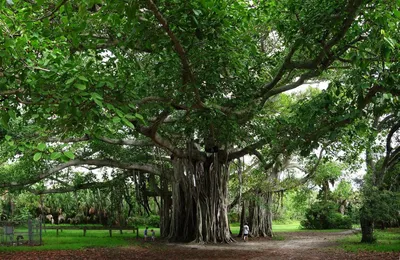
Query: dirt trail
(291, 240)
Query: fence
(16, 233)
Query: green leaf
(96, 96)
(7, 137)
(127, 123)
(69, 81)
(83, 78)
(98, 102)
(390, 41)
(116, 120)
(69, 154)
(196, 12)
(80, 86)
(55, 155)
(37, 157)
(64, 19)
(5, 118)
(130, 116)
(140, 117)
(396, 13)
(41, 147)
(12, 114)
(119, 113)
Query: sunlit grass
(74, 239)
(387, 241)
(293, 227)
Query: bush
(233, 217)
(137, 221)
(151, 221)
(324, 215)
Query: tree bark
(261, 215)
(367, 230)
(199, 201)
(242, 218)
(165, 213)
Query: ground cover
(387, 241)
(291, 244)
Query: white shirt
(246, 229)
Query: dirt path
(296, 245)
(291, 240)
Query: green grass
(387, 241)
(74, 239)
(293, 227)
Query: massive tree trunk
(199, 201)
(261, 211)
(261, 215)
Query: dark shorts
(246, 235)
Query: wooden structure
(86, 228)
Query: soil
(296, 245)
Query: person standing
(153, 235)
(246, 231)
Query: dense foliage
(325, 215)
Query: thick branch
(104, 139)
(11, 92)
(300, 81)
(389, 155)
(280, 72)
(309, 174)
(246, 150)
(178, 47)
(52, 12)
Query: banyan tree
(196, 79)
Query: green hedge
(324, 215)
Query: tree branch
(102, 138)
(246, 150)
(178, 47)
(300, 81)
(11, 92)
(309, 174)
(52, 12)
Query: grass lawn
(387, 241)
(292, 227)
(74, 239)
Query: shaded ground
(296, 245)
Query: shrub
(151, 221)
(324, 215)
(137, 221)
(233, 217)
